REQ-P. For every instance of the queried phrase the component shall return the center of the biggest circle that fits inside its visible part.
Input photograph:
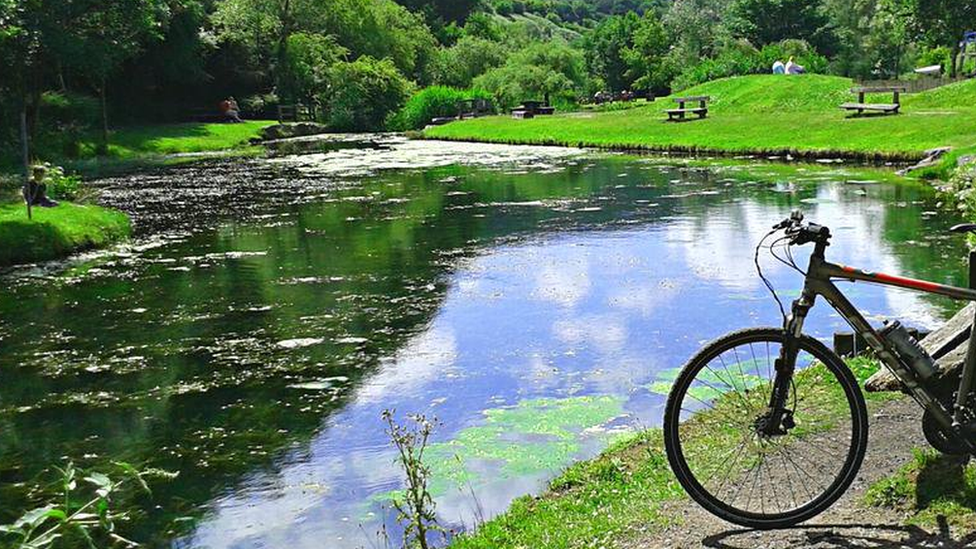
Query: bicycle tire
(764, 521)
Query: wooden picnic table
(885, 108)
(701, 110)
(529, 109)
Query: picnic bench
(474, 108)
(295, 113)
(701, 110)
(530, 109)
(884, 108)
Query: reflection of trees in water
(211, 396)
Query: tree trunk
(25, 148)
(103, 146)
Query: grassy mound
(771, 93)
(56, 232)
(759, 114)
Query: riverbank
(628, 496)
(138, 147)
(57, 232)
(759, 115)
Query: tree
(308, 61)
(388, 30)
(940, 22)
(102, 34)
(764, 22)
(544, 68)
(471, 57)
(371, 91)
(265, 26)
(696, 27)
(646, 59)
(445, 10)
(606, 47)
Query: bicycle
(767, 427)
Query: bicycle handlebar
(801, 233)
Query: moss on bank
(56, 232)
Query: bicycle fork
(779, 419)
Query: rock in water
(297, 129)
(947, 345)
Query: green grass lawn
(754, 114)
(181, 138)
(56, 232)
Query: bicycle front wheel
(729, 463)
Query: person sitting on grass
(793, 68)
(35, 192)
(779, 67)
(230, 109)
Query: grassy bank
(134, 147)
(929, 489)
(625, 489)
(56, 232)
(762, 114)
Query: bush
(941, 56)
(430, 103)
(802, 52)
(740, 58)
(371, 90)
(61, 186)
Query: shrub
(740, 58)
(61, 186)
(936, 56)
(802, 52)
(371, 90)
(430, 103)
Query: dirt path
(895, 429)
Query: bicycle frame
(820, 282)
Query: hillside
(760, 114)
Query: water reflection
(531, 306)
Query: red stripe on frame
(910, 282)
(899, 280)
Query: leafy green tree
(104, 34)
(370, 92)
(646, 59)
(308, 60)
(873, 37)
(696, 26)
(940, 22)
(606, 47)
(458, 65)
(265, 26)
(764, 22)
(545, 68)
(388, 30)
(446, 10)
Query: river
(534, 300)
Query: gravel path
(895, 429)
